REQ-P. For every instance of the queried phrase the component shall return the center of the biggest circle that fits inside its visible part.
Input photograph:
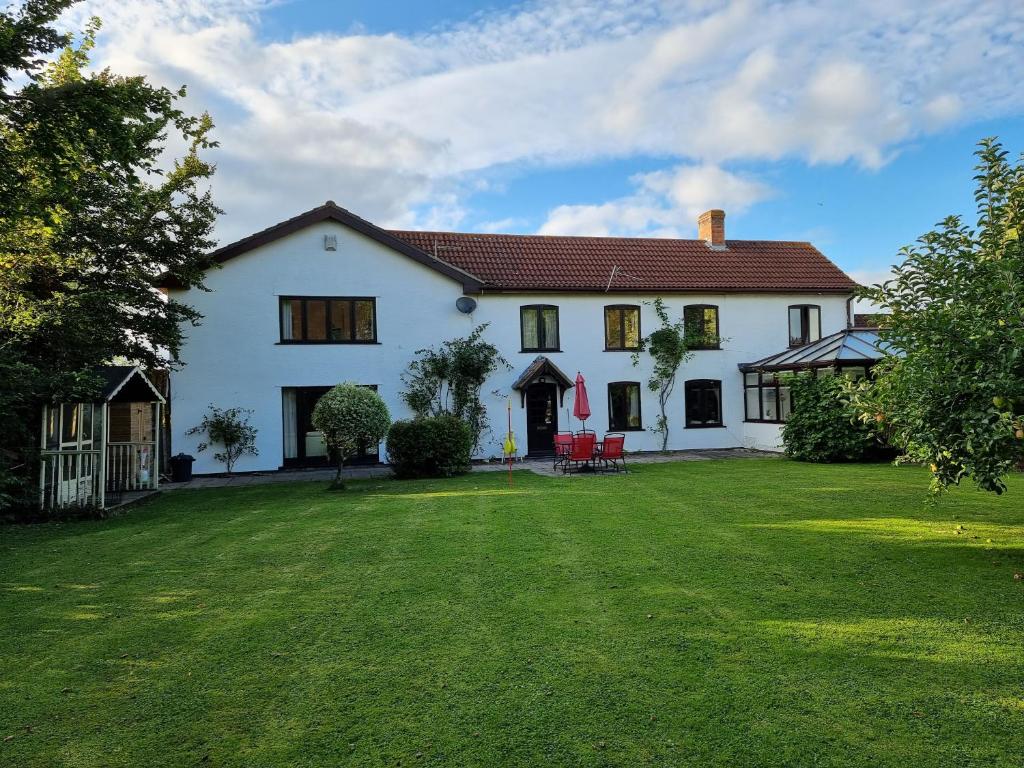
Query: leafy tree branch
(955, 400)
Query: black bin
(181, 468)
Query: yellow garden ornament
(510, 442)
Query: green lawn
(741, 613)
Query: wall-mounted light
(330, 242)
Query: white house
(327, 297)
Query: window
(328, 320)
(804, 324)
(624, 406)
(621, 327)
(703, 403)
(854, 372)
(766, 397)
(69, 424)
(701, 323)
(538, 325)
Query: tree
(230, 428)
(955, 400)
(669, 348)
(823, 425)
(89, 215)
(447, 381)
(350, 417)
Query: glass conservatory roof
(852, 346)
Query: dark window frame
(776, 385)
(639, 407)
(717, 344)
(327, 319)
(720, 424)
(804, 321)
(539, 309)
(622, 327)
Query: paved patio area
(539, 466)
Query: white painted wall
(234, 358)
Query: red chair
(613, 454)
(582, 451)
(563, 447)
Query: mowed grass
(741, 613)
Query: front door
(541, 418)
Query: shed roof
(852, 346)
(126, 383)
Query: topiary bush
(433, 446)
(349, 416)
(823, 426)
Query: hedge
(433, 446)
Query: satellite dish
(465, 305)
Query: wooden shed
(93, 453)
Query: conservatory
(93, 454)
(851, 352)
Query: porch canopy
(92, 449)
(542, 370)
(852, 347)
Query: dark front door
(541, 418)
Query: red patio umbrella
(581, 408)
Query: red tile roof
(551, 263)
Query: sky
(850, 124)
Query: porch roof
(851, 346)
(542, 366)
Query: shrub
(823, 426)
(448, 380)
(230, 428)
(350, 415)
(433, 446)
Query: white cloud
(401, 128)
(665, 204)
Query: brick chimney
(711, 228)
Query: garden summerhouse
(94, 453)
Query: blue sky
(848, 124)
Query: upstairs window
(538, 326)
(701, 323)
(621, 327)
(624, 406)
(703, 403)
(328, 320)
(804, 324)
